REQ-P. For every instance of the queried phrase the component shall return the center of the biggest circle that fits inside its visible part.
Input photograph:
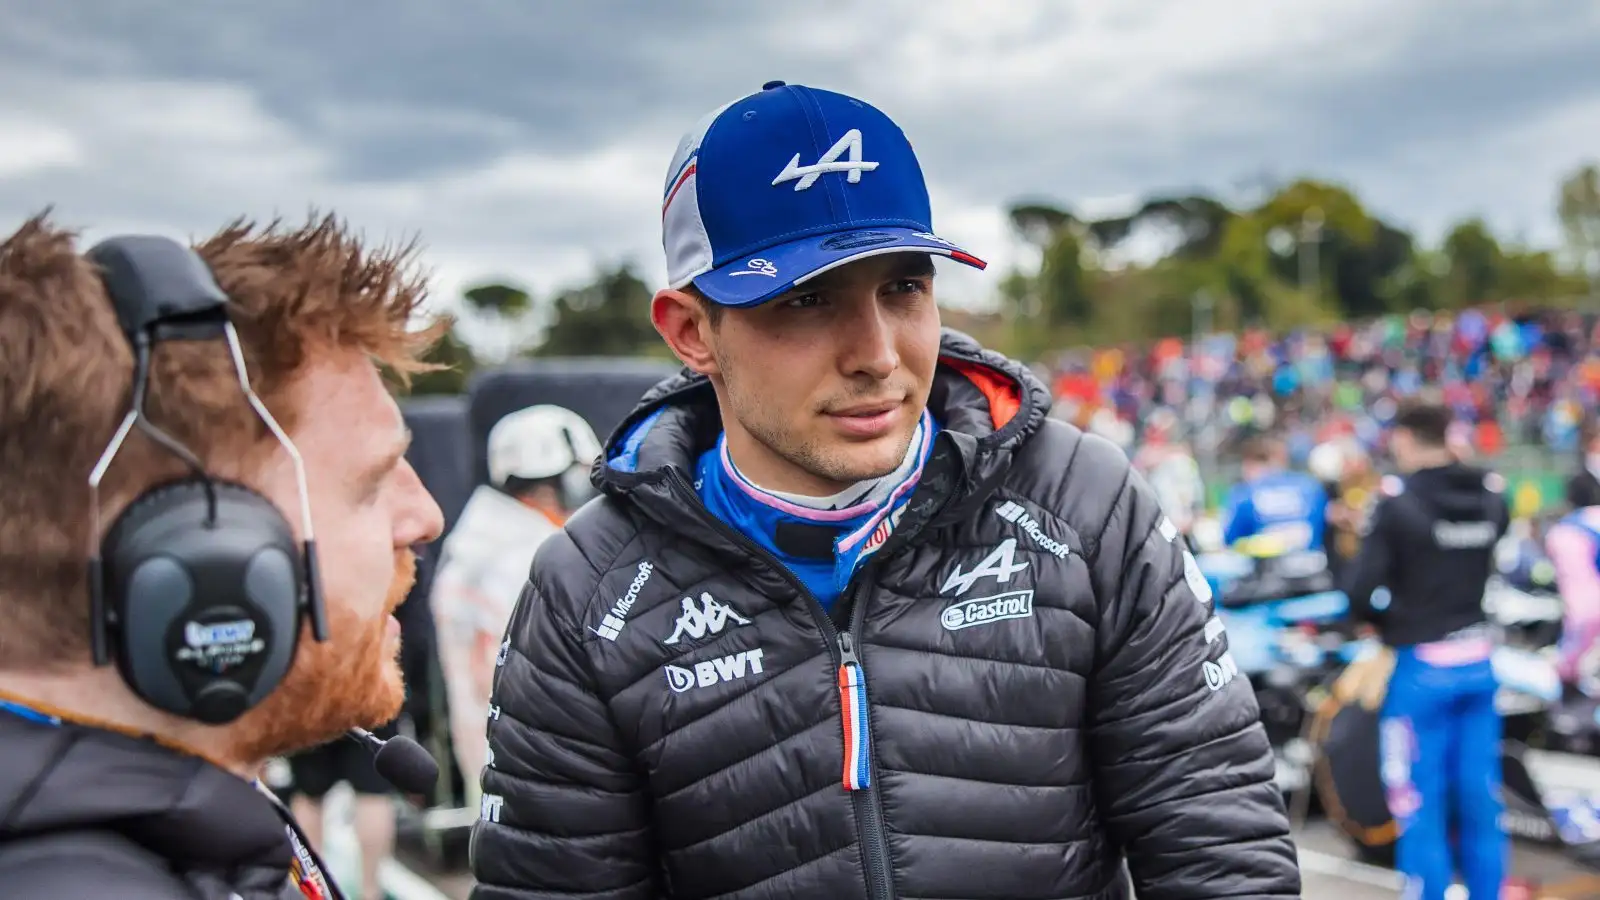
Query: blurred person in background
(539, 462)
(1583, 486)
(1351, 481)
(1272, 500)
(114, 783)
(1173, 473)
(1573, 547)
(1431, 542)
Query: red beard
(351, 680)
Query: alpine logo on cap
(808, 175)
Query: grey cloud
(395, 97)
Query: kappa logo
(1000, 564)
(808, 175)
(710, 617)
(715, 671)
(611, 625)
(1016, 515)
(983, 610)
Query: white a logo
(829, 162)
(710, 617)
(1001, 564)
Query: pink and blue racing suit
(1573, 545)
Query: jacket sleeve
(564, 813)
(1373, 562)
(1183, 769)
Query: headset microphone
(400, 761)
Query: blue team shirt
(1292, 505)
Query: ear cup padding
(207, 613)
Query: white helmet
(1326, 462)
(540, 442)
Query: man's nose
(423, 520)
(870, 338)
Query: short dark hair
(711, 308)
(1426, 418)
(1259, 449)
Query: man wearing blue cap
(853, 618)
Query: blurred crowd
(1513, 378)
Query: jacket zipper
(858, 767)
(857, 720)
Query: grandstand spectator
(1173, 474)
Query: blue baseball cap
(785, 184)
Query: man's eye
(911, 286)
(804, 301)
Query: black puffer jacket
(87, 813)
(1045, 696)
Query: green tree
(609, 316)
(1199, 221)
(1579, 211)
(498, 320)
(1475, 264)
(1039, 223)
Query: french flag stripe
(853, 698)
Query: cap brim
(753, 280)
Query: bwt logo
(982, 610)
(1221, 673)
(712, 671)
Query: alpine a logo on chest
(983, 610)
(1000, 564)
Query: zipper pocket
(853, 704)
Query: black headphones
(199, 588)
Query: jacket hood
(1456, 492)
(61, 776)
(986, 404)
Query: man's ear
(682, 323)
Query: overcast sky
(530, 138)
